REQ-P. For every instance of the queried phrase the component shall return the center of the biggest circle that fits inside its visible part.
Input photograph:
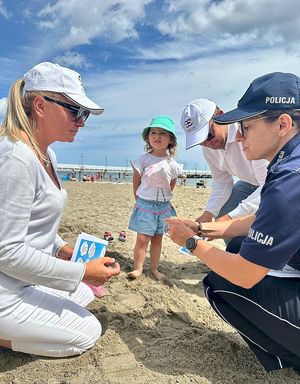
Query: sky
(143, 58)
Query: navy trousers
(267, 315)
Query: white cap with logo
(52, 77)
(195, 120)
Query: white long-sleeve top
(229, 162)
(30, 211)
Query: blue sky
(142, 58)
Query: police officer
(257, 289)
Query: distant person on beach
(225, 158)
(256, 288)
(73, 175)
(154, 177)
(183, 180)
(43, 294)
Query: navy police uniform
(267, 316)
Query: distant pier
(109, 169)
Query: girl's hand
(65, 252)
(100, 270)
(179, 232)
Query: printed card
(88, 247)
(185, 251)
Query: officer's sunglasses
(77, 112)
(244, 130)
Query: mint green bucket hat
(164, 122)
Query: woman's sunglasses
(244, 130)
(77, 112)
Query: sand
(156, 332)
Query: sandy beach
(156, 332)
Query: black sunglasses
(244, 130)
(210, 136)
(77, 112)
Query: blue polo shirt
(274, 238)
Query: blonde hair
(171, 147)
(20, 117)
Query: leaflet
(88, 247)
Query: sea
(116, 177)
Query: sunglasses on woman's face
(244, 130)
(77, 112)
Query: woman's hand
(179, 232)
(100, 270)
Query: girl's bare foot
(134, 274)
(159, 276)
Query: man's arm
(205, 217)
(247, 206)
(222, 184)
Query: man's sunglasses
(210, 134)
(77, 112)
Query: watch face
(191, 244)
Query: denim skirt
(148, 216)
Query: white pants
(50, 322)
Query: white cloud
(3, 11)
(72, 59)
(112, 19)
(190, 28)
(262, 21)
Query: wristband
(200, 230)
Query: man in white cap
(225, 159)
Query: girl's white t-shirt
(156, 174)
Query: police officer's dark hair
(294, 113)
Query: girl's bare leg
(140, 249)
(155, 251)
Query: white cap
(195, 120)
(54, 78)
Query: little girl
(154, 178)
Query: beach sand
(156, 332)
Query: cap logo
(188, 123)
(280, 100)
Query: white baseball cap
(195, 120)
(54, 78)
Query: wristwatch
(191, 243)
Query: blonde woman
(42, 293)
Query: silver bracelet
(58, 250)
